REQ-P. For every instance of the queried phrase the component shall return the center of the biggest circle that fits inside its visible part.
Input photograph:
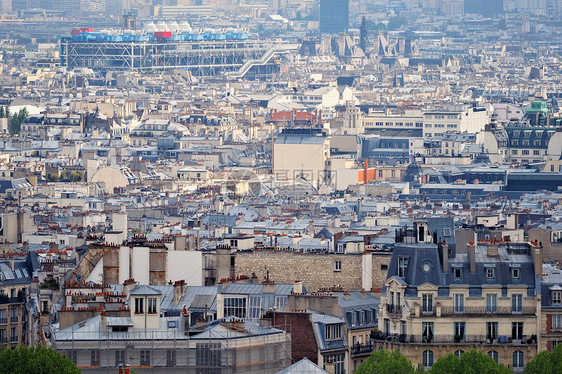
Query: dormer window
(151, 305)
(139, 305)
(556, 293)
(457, 271)
(402, 266)
(490, 273)
(333, 332)
(515, 273)
(556, 297)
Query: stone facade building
(437, 302)
(318, 270)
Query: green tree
(16, 121)
(53, 177)
(1, 112)
(546, 363)
(372, 25)
(71, 176)
(470, 362)
(383, 362)
(7, 111)
(396, 22)
(37, 360)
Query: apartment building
(148, 262)
(411, 119)
(551, 307)
(352, 271)
(527, 144)
(432, 122)
(330, 327)
(455, 118)
(437, 301)
(302, 153)
(522, 144)
(15, 282)
(154, 339)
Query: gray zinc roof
(304, 366)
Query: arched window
(459, 353)
(494, 355)
(427, 358)
(518, 360)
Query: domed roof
(538, 106)
(173, 26)
(185, 26)
(149, 26)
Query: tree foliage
(37, 360)
(50, 283)
(53, 177)
(70, 176)
(471, 362)
(372, 25)
(396, 22)
(383, 362)
(546, 363)
(16, 120)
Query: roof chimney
(298, 287)
(128, 285)
(493, 249)
(179, 290)
(536, 253)
(445, 256)
(472, 256)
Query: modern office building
(334, 16)
(486, 8)
(203, 54)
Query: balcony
(3, 340)
(13, 339)
(4, 299)
(14, 319)
(3, 321)
(360, 349)
(381, 336)
(450, 339)
(393, 309)
(483, 310)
